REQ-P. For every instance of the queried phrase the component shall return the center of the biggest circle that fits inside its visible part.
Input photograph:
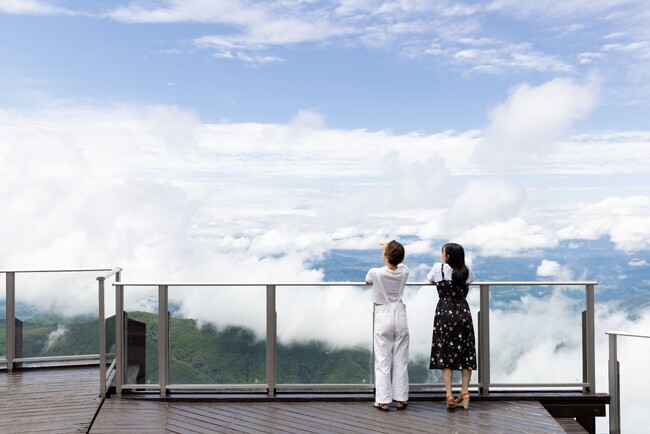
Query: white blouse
(435, 275)
(392, 281)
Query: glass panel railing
(3, 320)
(627, 357)
(421, 304)
(109, 330)
(56, 314)
(324, 335)
(536, 334)
(420, 307)
(141, 335)
(217, 335)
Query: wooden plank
(49, 400)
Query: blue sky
(401, 65)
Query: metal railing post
(484, 344)
(163, 339)
(271, 339)
(590, 342)
(102, 339)
(119, 339)
(10, 322)
(614, 388)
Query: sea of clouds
(170, 198)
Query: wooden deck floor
(122, 415)
(48, 400)
(66, 400)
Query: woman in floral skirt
(453, 346)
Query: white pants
(391, 348)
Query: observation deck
(135, 385)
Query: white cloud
(170, 11)
(599, 153)
(562, 9)
(31, 7)
(404, 27)
(624, 220)
(638, 263)
(158, 192)
(159, 178)
(308, 119)
(498, 57)
(555, 271)
(528, 125)
(254, 26)
(485, 201)
(54, 336)
(509, 237)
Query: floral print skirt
(453, 343)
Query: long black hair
(455, 257)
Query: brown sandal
(382, 407)
(463, 400)
(451, 402)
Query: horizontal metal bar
(243, 284)
(535, 283)
(365, 386)
(342, 284)
(430, 385)
(539, 384)
(627, 334)
(327, 386)
(56, 358)
(217, 386)
(109, 274)
(56, 271)
(141, 386)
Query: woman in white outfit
(391, 333)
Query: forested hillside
(206, 354)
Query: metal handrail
(111, 273)
(425, 283)
(614, 380)
(10, 317)
(71, 270)
(588, 384)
